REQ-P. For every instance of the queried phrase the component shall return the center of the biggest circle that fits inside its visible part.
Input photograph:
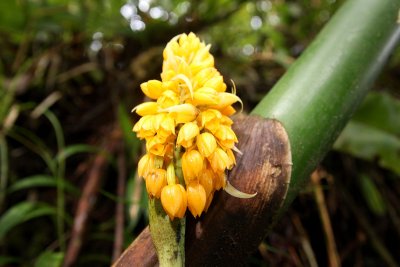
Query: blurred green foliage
(71, 69)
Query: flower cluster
(186, 126)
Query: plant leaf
(22, 212)
(49, 259)
(40, 180)
(75, 149)
(380, 110)
(372, 195)
(369, 143)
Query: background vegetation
(70, 73)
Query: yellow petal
(152, 88)
(167, 99)
(204, 75)
(228, 111)
(226, 99)
(145, 127)
(210, 119)
(174, 200)
(145, 165)
(147, 108)
(226, 136)
(206, 178)
(196, 198)
(219, 180)
(216, 82)
(182, 113)
(220, 161)
(205, 96)
(206, 144)
(192, 164)
(187, 133)
(156, 145)
(155, 182)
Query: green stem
(60, 178)
(168, 236)
(319, 93)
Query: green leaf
(372, 196)
(49, 259)
(381, 111)
(75, 149)
(369, 143)
(22, 212)
(40, 180)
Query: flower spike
(189, 140)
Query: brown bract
(233, 228)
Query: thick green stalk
(321, 90)
(168, 236)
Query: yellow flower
(196, 198)
(187, 134)
(220, 161)
(147, 108)
(182, 113)
(205, 96)
(155, 181)
(188, 114)
(206, 178)
(226, 137)
(174, 200)
(192, 164)
(145, 165)
(206, 144)
(152, 89)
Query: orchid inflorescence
(187, 126)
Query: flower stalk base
(168, 236)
